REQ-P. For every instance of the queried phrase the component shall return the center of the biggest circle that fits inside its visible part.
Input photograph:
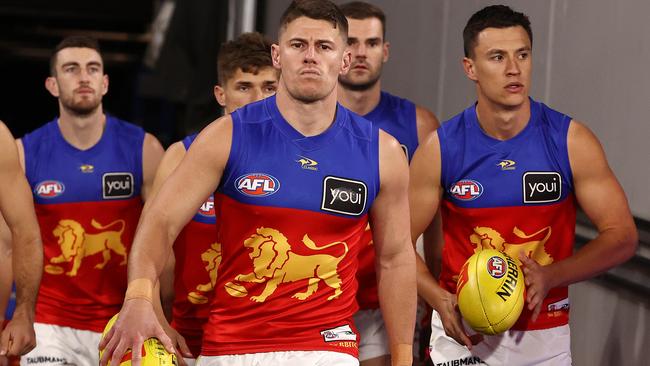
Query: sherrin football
(153, 352)
(490, 291)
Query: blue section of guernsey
(530, 168)
(272, 164)
(396, 116)
(60, 173)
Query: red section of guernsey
(367, 295)
(197, 261)
(286, 281)
(85, 254)
(545, 233)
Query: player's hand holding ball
(490, 291)
(153, 351)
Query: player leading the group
(297, 178)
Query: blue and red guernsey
(88, 205)
(395, 116)
(197, 262)
(291, 213)
(513, 196)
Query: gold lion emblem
(488, 238)
(275, 263)
(212, 259)
(76, 244)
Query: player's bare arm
(17, 206)
(6, 275)
(152, 153)
(196, 177)
(426, 122)
(395, 258)
(432, 240)
(425, 193)
(601, 197)
(170, 160)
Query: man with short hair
(297, 178)
(21, 251)
(360, 91)
(89, 173)
(246, 74)
(509, 170)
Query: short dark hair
(316, 9)
(249, 52)
(494, 16)
(70, 42)
(361, 10)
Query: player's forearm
(428, 287)
(610, 248)
(398, 296)
(27, 260)
(6, 278)
(151, 247)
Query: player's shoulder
(579, 133)
(395, 102)
(549, 116)
(40, 135)
(255, 112)
(5, 134)
(356, 125)
(124, 128)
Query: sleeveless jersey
(395, 116)
(88, 205)
(197, 261)
(292, 210)
(514, 195)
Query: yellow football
(490, 291)
(153, 352)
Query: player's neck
(502, 123)
(310, 119)
(360, 102)
(82, 132)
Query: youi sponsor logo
(542, 187)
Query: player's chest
(78, 178)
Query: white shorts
(57, 345)
(289, 358)
(190, 361)
(373, 340)
(549, 347)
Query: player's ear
(468, 67)
(275, 56)
(52, 86)
(386, 51)
(104, 84)
(347, 61)
(220, 95)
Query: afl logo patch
(344, 196)
(466, 190)
(49, 189)
(117, 185)
(497, 267)
(207, 208)
(257, 184)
